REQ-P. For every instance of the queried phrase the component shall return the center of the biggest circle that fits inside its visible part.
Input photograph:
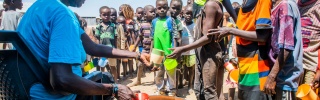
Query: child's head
(105, 13)
(83, 23)
(190, 2)
(127, 11)
(235, 5)
(188, 13)
(139, 13)
(113, 15)
(14, 3)
(175, 7)
(162, 7)
(120, 10)
(4, 5)
(98, 20)
(182, 11)
(121, 20)
(149, 13)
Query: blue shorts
(140, 48)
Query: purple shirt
(286, 21)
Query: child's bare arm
(213, 13)
(230, 10)
(258, 35)
(139, 39)
(151, 46)
(280, 62)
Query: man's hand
(270, 85)
(316, 80)
(155, 68)
(145, 59)
(176, 52)
(219, 33)
(125, 93)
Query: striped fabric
(310, 29)
(252, 56)
(310, 25)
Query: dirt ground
(149, 87)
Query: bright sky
(91, 7)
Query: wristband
(114, 90)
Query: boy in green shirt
(106, 33)
(164, 37)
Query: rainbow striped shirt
(253, 56)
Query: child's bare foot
(135, 84)
(185, 82)
(190, 91)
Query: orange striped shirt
(253, 63)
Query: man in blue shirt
(53, 32)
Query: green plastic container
(170, 64)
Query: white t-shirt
(187, 37)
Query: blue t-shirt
(53, 32)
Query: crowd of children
(162, 27)
(275, 43)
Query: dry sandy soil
(149, 87)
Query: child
(208, 51)
(190, 2)
(113, 15)
(309, 11)
(251, 44)
(144, 37)
(120, 10)
(128, 14)
(175, 10)
(163, 34)
(83, 25)
(181, 14)
(113, 19)
(121, 21)
(228, 22)
(286, 51)
(139, 19)
(11, 18)
(5, 6)
(106, 32)
(188, 58)
(139, 14)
